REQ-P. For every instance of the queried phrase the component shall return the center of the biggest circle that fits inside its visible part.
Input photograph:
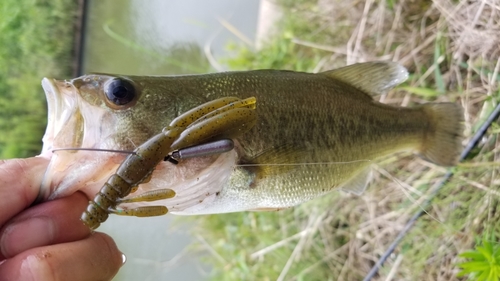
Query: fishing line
(178, 154)
(472, 143)
(94, 149)
(302, 164)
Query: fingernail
(27, 234)
(124, 259)
(31, 269)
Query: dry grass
(452, 49)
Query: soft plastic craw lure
(219, 119)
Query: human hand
(48, 241)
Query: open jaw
(71, 124)
(64, 124)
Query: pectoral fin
(357, 184)
(277, 161)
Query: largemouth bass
(314, 133)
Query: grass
(451, 50)
(37, 40)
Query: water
(163, 36)
(160, 37)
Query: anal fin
(357, 184)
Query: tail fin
(443, 141)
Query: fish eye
(120, 91)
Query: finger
(20, 181)
(49, 223)
(94, 258)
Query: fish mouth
(65, 127)
(65, 123)
(61, 107)
(72, 124)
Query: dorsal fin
(375, 78)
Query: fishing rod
(472, 143)
(79, 38)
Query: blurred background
(451, 49)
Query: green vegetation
(484, 264)
(36, 41)
(339, 236)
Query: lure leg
(147, 211)
(194, 114)
(153, 195)
(228, 121)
